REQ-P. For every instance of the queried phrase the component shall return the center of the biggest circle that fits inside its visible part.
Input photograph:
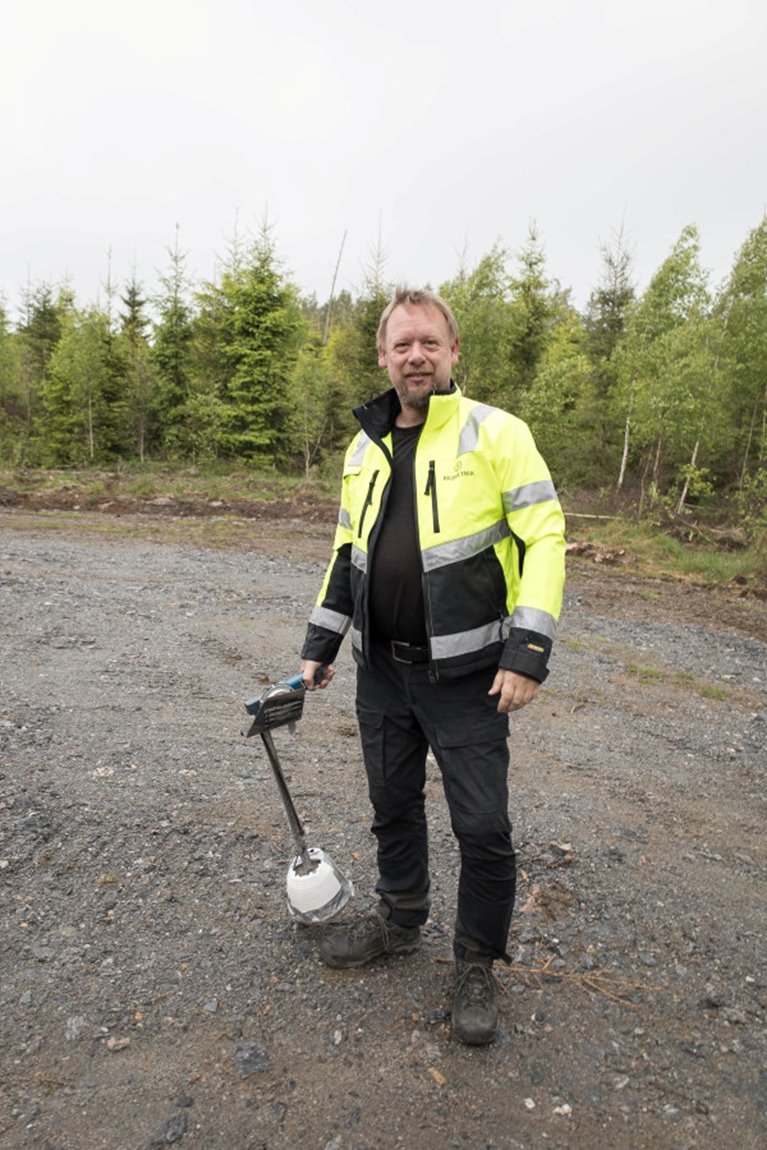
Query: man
(448, 569)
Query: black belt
(408, 652)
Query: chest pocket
(457, 497)
(370, 494)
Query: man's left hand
(515, 691)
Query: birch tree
(79, 412)
(662, 365)
(744, 351)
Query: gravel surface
(153, 987)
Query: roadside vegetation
(696, 548)
(650, 407)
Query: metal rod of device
(295, 822)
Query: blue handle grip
(298, 680)
(295, 682)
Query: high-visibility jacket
(490, 537)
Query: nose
(416, 354)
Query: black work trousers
(402, 713)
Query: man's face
(418, 354)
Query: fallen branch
(586, 515)
(598, 981)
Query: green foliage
(258, 344)
(479, 300)
(599, 429)
(202, 414)
(171, 357)
(535, 304)
(752, 505)
(651, 550)
(664, 365)
(314, 405)
(662, 394)
(551, 404)
(11, 406)
(607, 308)
(352, 348)
(743, 312)
(80, 415)
(138, 382)
(45, 312)
(44, 315)
(697, 483)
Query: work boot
(366, 939)
(475, 1016)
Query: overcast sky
(439, 126)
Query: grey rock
(250, 1058)
(171, 1131)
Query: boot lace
(368, 924)
(475, 984)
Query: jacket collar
(377, 417)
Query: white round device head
(316, 893)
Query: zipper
(368, 502)
(431, 489)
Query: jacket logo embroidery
(459, 471)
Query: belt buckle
(422, 656)
(393, 645)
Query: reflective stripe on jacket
(491, 539)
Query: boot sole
(474, 1039)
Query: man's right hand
(312, 679)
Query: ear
(381, 357)
(454, 351)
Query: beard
(417, 396)
(419, 400)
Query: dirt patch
(73, 498)
(154, 989)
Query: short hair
(416, 297)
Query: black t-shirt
(396, 592)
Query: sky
(424, 130)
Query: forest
(657, 398)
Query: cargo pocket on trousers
(371, 724)
(474, 760)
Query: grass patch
(152, 481)
(645, 672)
(708, 691)
(650, 551)
(681, 680)
(645, 548)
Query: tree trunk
(642, 486)
(626, 437)
(747, 451)
(714, 371)
(91, 437)
(326, 332)
(656, 462)
(693, 461)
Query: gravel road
(154, 990)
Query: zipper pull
(368, 502)
(431, 489)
